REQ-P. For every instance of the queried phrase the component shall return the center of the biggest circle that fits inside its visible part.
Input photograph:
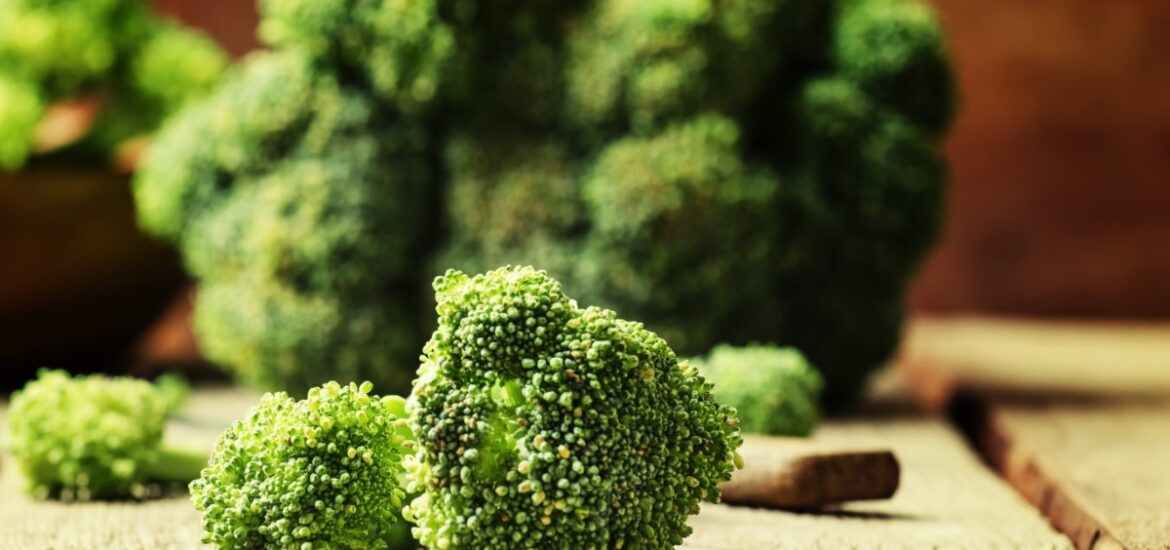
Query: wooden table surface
(1074, 415)
(948, 497)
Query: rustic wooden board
(947, 498)
(1076, 416)
(1100, 471)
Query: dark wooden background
(1060, 202)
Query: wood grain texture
(1075, 415)
(1099, 470)
(947, 499)
(794, 473)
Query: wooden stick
(795, 474)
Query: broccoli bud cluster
(774, 390)
(543, 424)
(96, 437)
(300, 193)
(322, 472)
(142, 66)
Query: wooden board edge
(1028, 475)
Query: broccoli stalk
(95, 437)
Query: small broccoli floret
(322, 472)
(773, 389)
(94, 437)
(541, 424)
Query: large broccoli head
(95, 437)
(748, 170)
(142, 66)
(723, 170)
(542, 424)
(322, 472)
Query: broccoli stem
(176, 465)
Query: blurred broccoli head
(543, 424)
(401, 48)
(300, 216)
(667, 213)
(745, 171)
(322, 472)
(723, 170)
(142, 66)
(94, 437)
(773, 389)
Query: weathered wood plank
(947, 499)
(1076, 416)
(1100, 471)
(1029, 357)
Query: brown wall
(1060, 203)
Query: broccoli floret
(773, 389)
(542, 424)
(95, 437)
(401, 48)
(300, 215)
(322, 472)
(749, 170)
(143, 67)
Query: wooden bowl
(78, 281)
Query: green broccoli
(727, 171)
(142, 66)
(95, 437)
(322, 472)
(774, 390)
(300, 195)
(542, 424)
(746, 171)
